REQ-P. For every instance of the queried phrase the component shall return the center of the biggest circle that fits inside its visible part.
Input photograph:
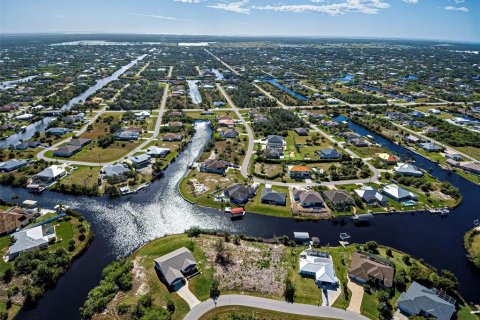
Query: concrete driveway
(357, 296)
(330, 295)
(187, 295)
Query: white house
(397, 193)
(318, 265)
(30, 239)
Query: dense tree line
(247, 96)
(279, 122)
(451, 134)
(358, 98)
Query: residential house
(371, 196)
(339, 198)
(50, 174)
(269, 196)
(359, 142)
(58, 131)
(430, 147)
(66, 151)
(214, 166)
(13, 219)
(225, 121)
(413, 139)
(172, 137)
(348, 135)
(275, 141)
(30, 239)
(408, 169)
(299, 172)
(308, 199)
(364, 267)
(140, 161)
(329, 153)
(127, 135)
(116, 172)
(156, 152)
(239, 193)
(434, 111)
(229, 134)
(12, 164)
(417, 114)
(27, 145)
(175, 266)
(302, 131)
(397, 193)
(428, 303)
(175, 124)
(142, 115)
(79, 142)
(387, 158)
(430, 130)
(472, 167)
(319, 266)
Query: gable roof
(363, 267)
(419, 298)
(299, 169)
(270, 195)
(174, 263)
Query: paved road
(269, 95)
(273, 305)
(224, 63)
(161, 111)
(435, 141)
(251, 139)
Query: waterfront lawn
(469, 176)
(94, 153)
(225, 313)
(472, 246)
(83, 175)
(256, 205)
(471, 151)
(367, 152)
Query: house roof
(386, 157)
(31, 238)
(363, 267)
(329, 151)
(397, 192)
(156, 150)
(299, 169)
(214, 164)
(419, 298)
(368, 193)
(407, 168)
(270, 195)
(174, 263)
(140, 158)
(11, 220)
(310, 197)
(319, 263)
(51, 172)
(67, 149)
(338, 196)
(79, 141)
(239, 192)
(115, 169)
(274, 139)
(12, 163)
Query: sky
(455, 20)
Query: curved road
(273, 305)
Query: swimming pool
(409, 203)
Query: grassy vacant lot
(224, 313)
(367, 152)
(256, 205)
(115, 151)
(84, 175)
(471, 151)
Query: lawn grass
(83, 175)
(223, 313)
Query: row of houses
(71, 147)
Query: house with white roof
(397, 193)
(156, 152)
(318, 265)
(408, 169)
(30, 239)
(50, 174)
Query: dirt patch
(249, 266)
(140, 279)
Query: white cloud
(452, 8)
(154, 16)
(232, 6)
(189, 1)
(411, 1)
(333, 9)
(459, 1)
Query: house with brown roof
(339, 198)
(214, 166)
(13, 219)
(364, 267)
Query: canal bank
(123, 224)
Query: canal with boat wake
(123, 224)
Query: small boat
(369, 136)
(344, 236)
(228, 210)
(476, 222)
(237, 213)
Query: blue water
(410, 77)
(294, 94)
(347, 78)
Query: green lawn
(224, 313)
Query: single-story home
(172, 137)
(156, 152)
(371, 196)
(275, 141)
(127, 135)
(30, 239)
(269, 196)
(364, 267)
(140, 161)
(408, 169)
(116, 172)
(13, 219)
(430, 147)
(239, 193)
(58, 131)
(66, 151)
(318, 265)
(302, 131)
(308, 199)
(359, 142)
(419, 300)
(50, 174)
(79, 142)
(397, 193)
(175, 266)
(387, 158)
(329, 153)
(273, 153)
(12, 164)
(214, 166)
(339, 198)
(230, 134)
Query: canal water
(42, 124)
(294, 94)
(194, 92)
(5, 85)
(123, 224)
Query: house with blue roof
(430, 147)
(12, 164)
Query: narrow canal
(41, 125)
(123, 224)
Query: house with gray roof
(30, 239)
(318, 265)
(419, 300)
(408, 169)
(214, 166)
(269, 196)
(175, 266)
(275, 141)
(339, 198)
(239, 193)
(66, 151)
(309, 199)
(12, 164)
(329, 153)
(116, 172)
(371, 196)
(140, 161)
(430, 147)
